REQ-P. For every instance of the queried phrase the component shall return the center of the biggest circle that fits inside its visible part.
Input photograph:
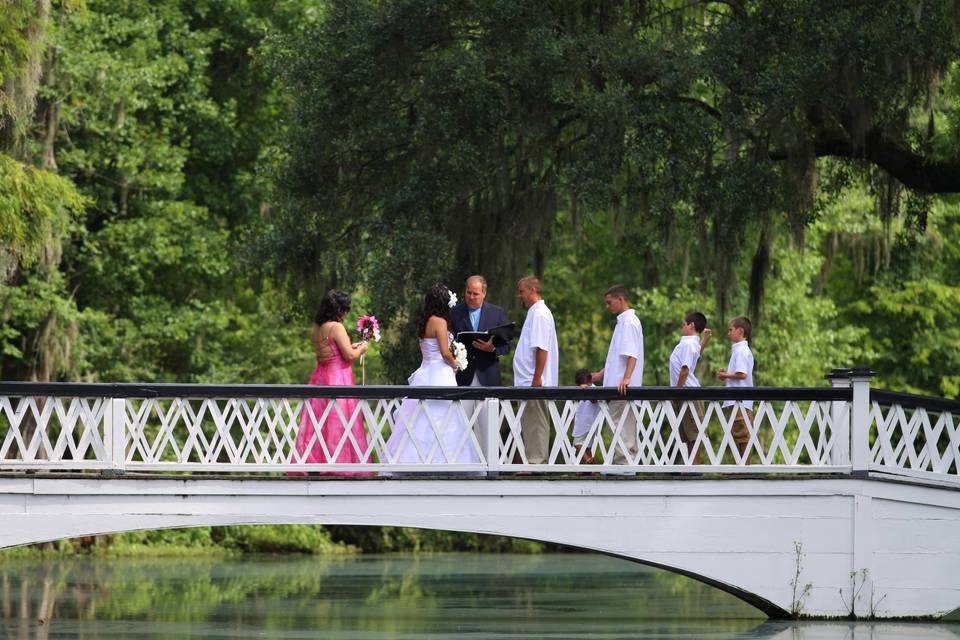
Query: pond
(371, 597)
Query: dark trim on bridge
(222, 391)
(914, 401)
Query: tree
(158, 113)
(38, 210)
(161, 119)
(471, 124)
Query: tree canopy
(180, 180)
(459, 130)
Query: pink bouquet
(368, 327)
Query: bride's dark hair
(334, 305)
(435, 303)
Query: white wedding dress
(417, 423)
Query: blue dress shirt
(474, 317)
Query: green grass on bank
(301, 539)
(197, 541)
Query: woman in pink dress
(335, 356)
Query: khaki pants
(621, 410)
(688, 424)
(535, 427)
(739, 431)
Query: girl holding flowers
(338, 436)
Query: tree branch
(912, 169)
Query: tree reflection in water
(434, 596)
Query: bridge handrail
(914, 401)
(236, 428)
(914, 435)
(378, 392)
(845, 428)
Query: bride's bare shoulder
(435, 325)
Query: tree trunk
(51, 117)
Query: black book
(501, 335)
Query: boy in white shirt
(739, 373)
(586, 415)
(623, 369)
(683, 367)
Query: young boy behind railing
(739, 373)
(683, 365)
(586, 415)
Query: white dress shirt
(539, 332)
(627, 341)
(583, 419)
(685, 354)
(741, 361)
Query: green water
(372, 597)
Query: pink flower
(368, 327)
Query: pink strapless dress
(334, 371)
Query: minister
(483, 357)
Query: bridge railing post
(491, 436)
(840, 419)
(115, 434)
(860, 420)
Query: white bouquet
(459, 353)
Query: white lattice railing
(246, 428)
(915, 436)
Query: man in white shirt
(536, 363)
(623, 369)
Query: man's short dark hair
(618, 291)
(582, 376)
(697, 319)
(742, 322)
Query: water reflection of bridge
(849, 503)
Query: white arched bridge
(845, 502)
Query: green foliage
(162, 115)
(407, 540)
(13, 53)
(281, 539)
(38, 315)
(295, 538)
(193, 541)
(37, 208)
(40, 310)
(904, 293)
(803, 334)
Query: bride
(433, 431)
